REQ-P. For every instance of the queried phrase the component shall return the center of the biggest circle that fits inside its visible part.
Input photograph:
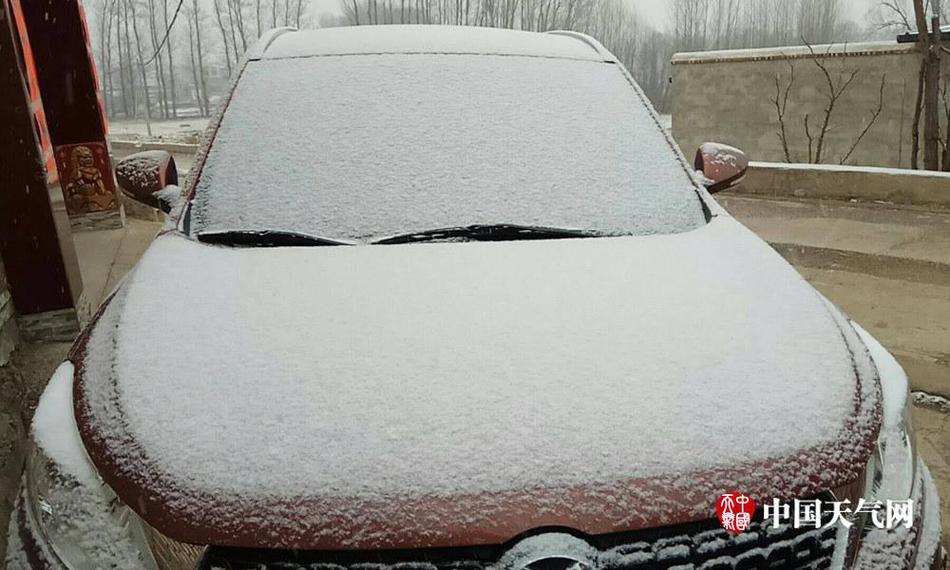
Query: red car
(449, 298)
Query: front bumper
(918, 548)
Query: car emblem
(550, 551)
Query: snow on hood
(340, 396)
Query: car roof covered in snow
(403, 39)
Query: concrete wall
(727, 97)
(866, 184)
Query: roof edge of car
(257, 50)
(591, 42)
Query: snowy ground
(177, 130)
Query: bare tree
(696, 24)
(138, 47)
(236, 15)
(646, 52)
(870, 123)
(897, 16)
(946, 112)
(196, 14)
(257, 12)
(224, 35)
(918, 111)
(104, 13)
(125, 87)
(127, 41)
(169, 50)
(781, 107)
(232, 26)
(196, 82)
(155, 34)
(835, 90)
(893, 16)
(835, 86)
(911, 16)
(931, 48)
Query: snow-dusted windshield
(364, 147)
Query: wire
(168, 30)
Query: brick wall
(728, 96)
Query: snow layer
(443, 369)
(85, 519)
(427, 39)
(850, 168)
(894, 548)
(932, 401)
(790, 51)
(894, 384)
(929, 544)
(54, 427)
(372, 146)
(895, 440)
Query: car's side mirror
(721, 165)
(144, 175)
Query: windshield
(366, 147)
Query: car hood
(461, 393)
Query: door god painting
(86, 177)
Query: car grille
(702, 545)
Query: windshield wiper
(266, 238)
(489, 232)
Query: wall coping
(139, 146)
(794, 52)
(860, 183)
(851, 169)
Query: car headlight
(81, 519)
(892, 470)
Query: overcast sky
(655, 11)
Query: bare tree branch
(834, 93)
(870, 123)
(810, 140)
(781, 105)
(896, 10)
(915, 128)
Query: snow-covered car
(444, 298)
